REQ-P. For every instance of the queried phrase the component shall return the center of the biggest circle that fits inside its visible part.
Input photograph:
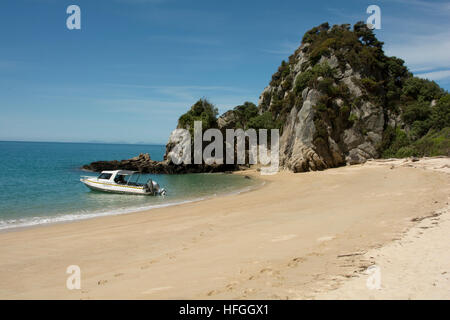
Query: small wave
(34, 221)
(61, 218)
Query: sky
(136, 65)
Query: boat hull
(114, 188)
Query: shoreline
(125, 211)
(281, 241)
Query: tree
(440, 114)
(244, 113)
(421, 89)
(366, 35)
(203, 111)
(263, 121)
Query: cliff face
(313, 98)
(327, 117)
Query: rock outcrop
(323, 127)
(144, 164)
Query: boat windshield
(105, 176)
(121, 179)
(134, 179)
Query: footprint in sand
(118, 275)
(248, 291)
(294, 262)
(102, 282)
(270, 272)
(266, 270)
(232, 285)
(211, 293)
(148, 264)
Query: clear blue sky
(136, 65)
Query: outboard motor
(154, 188)
(158, 190)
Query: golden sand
(309, 235)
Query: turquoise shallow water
(40, 183)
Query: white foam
(35, 221)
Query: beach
(300, 236)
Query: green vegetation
(309, 77)
(393, 141)
(352, 118)
(245, 117)
(434, 143)
(359, 45)
(244, 114)
(203, 111)
(282, 72)
(440, 113)
(263, 121)
(303, 80)
(421, 90)
(428, 134)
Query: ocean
(40, 183)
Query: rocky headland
(337, 100)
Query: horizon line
(86, 142)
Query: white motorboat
(122, 181)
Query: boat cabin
(124, 177)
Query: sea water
(40, 183)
